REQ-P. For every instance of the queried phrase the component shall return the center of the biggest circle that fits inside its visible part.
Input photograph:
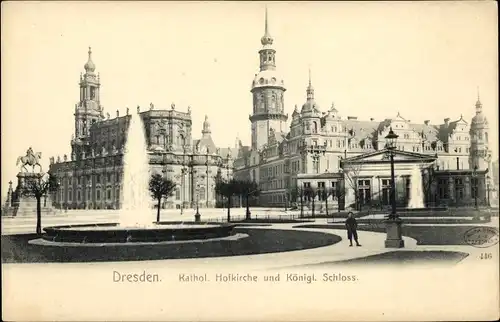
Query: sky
(425, 60)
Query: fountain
(135, 223)
(416, 193)
(136, 200)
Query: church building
(91, 178)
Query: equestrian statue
(32, 159)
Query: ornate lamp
(391, 140)
(393, 223)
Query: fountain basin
(113, 233)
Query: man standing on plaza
(352, 227)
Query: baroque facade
(318, 145)
(91, 178)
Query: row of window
(364, 190)
(272, 171)
(272, 185)
(99, 194)
(459, 188)
(88, 179)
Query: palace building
(91, 178)
(323, 149)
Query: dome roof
(310, 106)
(89, 65)
(479, 119)
(267, 78)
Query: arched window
(273, 101)
(178, 194)
(315, 127)
(486, 136)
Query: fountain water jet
(416, 193)
(136, 200)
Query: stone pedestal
(394, 237)
(26, 205)
(197, 218)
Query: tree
(427, 181)
(325, 194)
(310, 193)
(39, 187)
(228, 189)
(339, 193)
(294, 194)
(160, 187)
(301, 195)
(246, 190)
(351, 174)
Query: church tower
(268, 90)
(480, 154)
(88, 110)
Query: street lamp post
(286, 199)
(248, 213)
(488, 190)
(393, 222)
(197, 215)
(391, 148)
(474, 175)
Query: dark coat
(351, 224)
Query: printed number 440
(486, 256)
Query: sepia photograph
(250, 161)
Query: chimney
(352, 117)
(426, 122)
(372, 119)
(447, 121)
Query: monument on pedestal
(21, 203)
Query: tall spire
(479, 105)
(310, 76)
(266, 40)
(310, 89)
(266, 30)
